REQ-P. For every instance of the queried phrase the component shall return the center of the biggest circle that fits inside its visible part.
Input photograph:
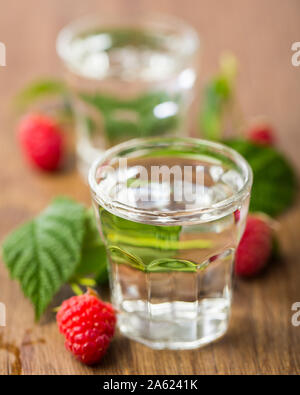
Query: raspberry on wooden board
(261, 134)
(41, 141)
(88, 325)
(255, 247)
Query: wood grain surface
(261, 338)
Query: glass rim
(215, 211)
(155, 20)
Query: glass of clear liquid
(171, 212)
(130, 77)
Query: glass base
(185, 330)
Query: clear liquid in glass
(172, 283)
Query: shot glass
(171, 212)
(130, 77)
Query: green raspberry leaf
(44, 253)
(218, 99)
(274, 180)
(40, 89)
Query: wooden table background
(261, 338)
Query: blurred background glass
(129, 76)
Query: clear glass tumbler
(130, 77)
(171, 212)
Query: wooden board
(261, 338)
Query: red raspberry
(261, 134)
(41, 141)
(88, 325)
(255, 247)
